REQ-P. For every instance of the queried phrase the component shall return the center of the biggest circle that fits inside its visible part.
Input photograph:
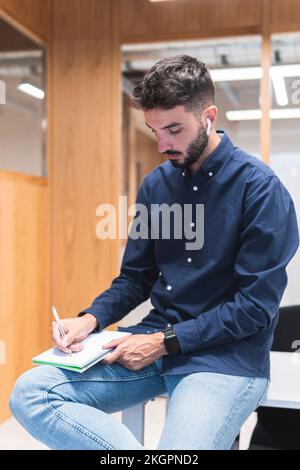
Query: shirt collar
(215, 160)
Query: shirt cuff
(188, 335)
(84, 313)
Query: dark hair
(173, 81)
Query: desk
(284, 391)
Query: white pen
(60, 326)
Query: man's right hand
(77, 329)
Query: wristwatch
(171, 342)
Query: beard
(193, 151)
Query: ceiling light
(287, 113)
(280, 89)
(253, 73)
(236, 74)
(291, 70)
(255, 114)
(244, 115)
(31, 90)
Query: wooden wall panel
(84, 128)
(31, 16)
(265, 85)
(141, 152)
(141, 20)
(285, 15)
(81, 21)
(24, 292)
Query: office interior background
(77, 143)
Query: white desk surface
(284, 389)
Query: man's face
(180, 134)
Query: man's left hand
(136, 351)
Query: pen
(60, 326)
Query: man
(206, 341)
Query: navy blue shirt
(222, 298)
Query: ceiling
(218, 54)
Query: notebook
(80, 361)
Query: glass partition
(285, 136)
(22, 109)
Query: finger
(76, 347)
(65, 350)
(112, 357)
(58, 339)
(67, 340)
(65, 326)
(56, 335)
(114, 343)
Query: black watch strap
(171, 342)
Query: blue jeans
(67, 410)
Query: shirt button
(183, 173)
(189, 260)
(148, 332)
(192, 224)
(169, 325)
(169, 287)
(210, 173)
(195, 188)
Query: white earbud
(208, 126)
